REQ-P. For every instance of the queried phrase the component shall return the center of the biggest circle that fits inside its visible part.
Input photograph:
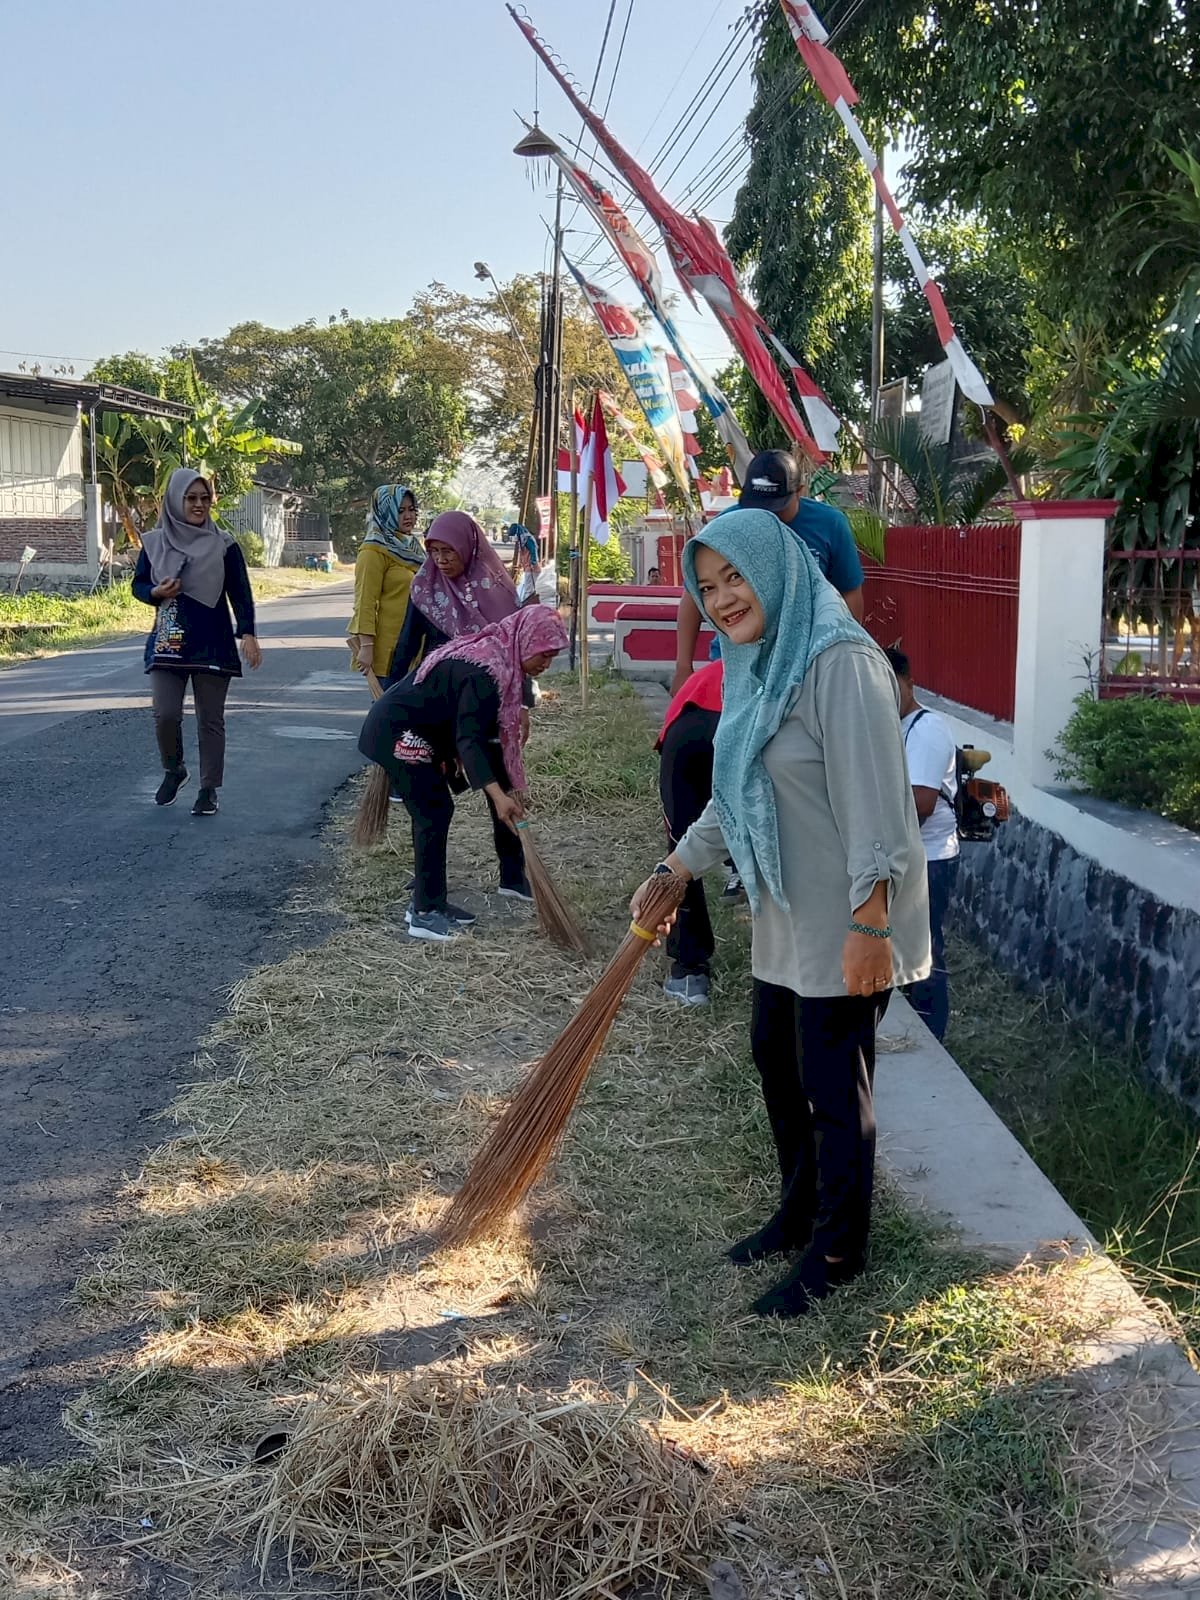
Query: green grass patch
(92, 619)
(1122, 1151)
(83, 620)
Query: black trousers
(685, 785)
(816, 1059)
(209, 689)
(428, 800)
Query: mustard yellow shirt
(381, 585)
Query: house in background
(49, 494)
(288, 521)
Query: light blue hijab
(804, 615)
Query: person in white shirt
(930, 748)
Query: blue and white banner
(646, 373)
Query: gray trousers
(209, 689)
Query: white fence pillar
(94, 521)
(1060, 622)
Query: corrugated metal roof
(110, 396)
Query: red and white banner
(701, 263)
(605, 486)
(831, 79)
(655, 470)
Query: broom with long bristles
(555, 917)
(520, 1147)
(370, 822)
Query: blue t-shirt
(827, 533)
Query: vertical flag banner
(643, 372)
(831, 79)
(702, 265)
(655, 471)
(639, 261)
(604, 482)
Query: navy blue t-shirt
(827, 533)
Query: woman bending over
(455, 724)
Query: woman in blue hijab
(811, 798)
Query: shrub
(253, 549)
(1140, 750)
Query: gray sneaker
(689, 991)
(434, 925)
(455, 914)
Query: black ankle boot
(811, 1280)
(778, 1237)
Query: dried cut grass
(492, 1494)
(917, 1437)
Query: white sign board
(938, 393)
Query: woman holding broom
(811, 797)
(388, 560)
(456, 724)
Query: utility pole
(554, 407)
(876, 467)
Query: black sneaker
(517, 891)
(206, 804)
(170, 787)
(433, 925)
(455, 914)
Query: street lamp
(484, 273)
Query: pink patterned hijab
(500, 649)
(482, 593)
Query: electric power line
(692, 109)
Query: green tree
(802, 227)
(369, 402)
(481, 331)
(1041, 120)
(137, 454)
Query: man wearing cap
(773, 484)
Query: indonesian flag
(605, 486)
(687, 403)
(655, 470)
(564, 460)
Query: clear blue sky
(172, 169)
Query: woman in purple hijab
(462, 586)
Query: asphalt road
(121, 926)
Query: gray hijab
(192, 552)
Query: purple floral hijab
(482, 593)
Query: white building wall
(41, 462)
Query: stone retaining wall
(1128, 964)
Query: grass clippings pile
(497, 1494)
(919, 1436)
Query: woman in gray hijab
(192, 573)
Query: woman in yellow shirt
(388, 559)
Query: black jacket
(188, 635)
(419, 638)
(456, 710)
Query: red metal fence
(948, 598)
(1151, 624)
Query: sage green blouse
(846, 822)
